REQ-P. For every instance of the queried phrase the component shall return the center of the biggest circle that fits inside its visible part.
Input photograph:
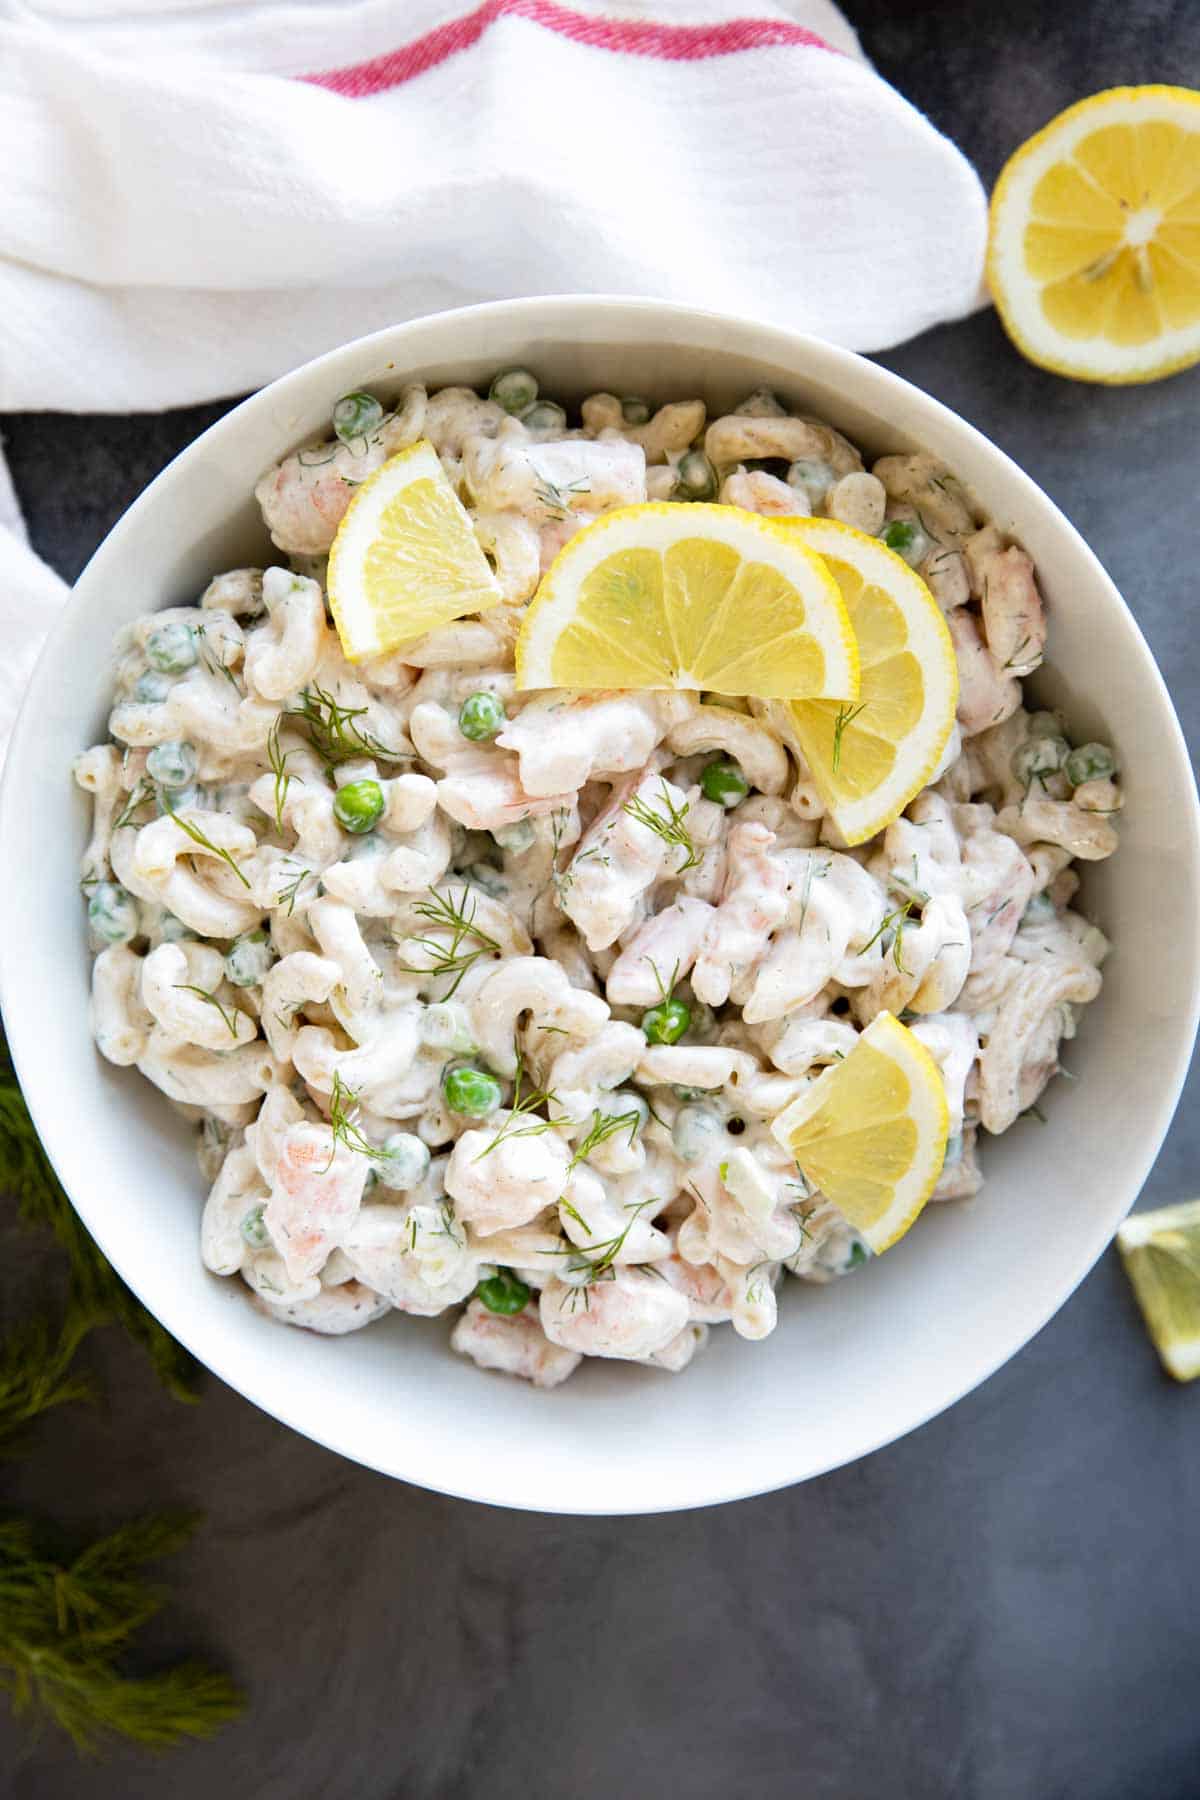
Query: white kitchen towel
(200, 194)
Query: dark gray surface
(1005, 1606)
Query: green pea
(695, 477)
(151, 688)
(503, 1293)
(517, 837)
(545, 416)
(1091, 762)
(254, 1229)
(1044, 724)
(405, 1161)
(248, 958)
(1039, 911)
(172, 765)
(173, 931)
(171, 648)
(723, 782)
(470, 1091)
(355, 416)
(900, 535)
(666, 1022)
(446, 1026)
(169, 800)
(954, 1150)
(515, 390)
(689, 1093)
(481, 716)
(358, 806)
(634, 410)
(695, 1131)
(112, 913)
(1038, 757)
(814, 477)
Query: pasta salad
(484, 998)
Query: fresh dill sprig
(66, 1624)
(197, 836)
(602, 1127)
(278, 760)
(37, 1373)
(894, 922)
(212, 661)
(555, 498)
(142, 795)
(670, 827)
(332, 730)
(812, 874)
(289, 892)
(519, 1123)
(594, 1262)
(230, 1017)
(846, 715)
(343, 1121)
(97, 1295)
(447, 914)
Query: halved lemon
(405, 558)
(869, 759)
(1161, 1253)
(1094, 246)
(698, 596)
(870, 1132)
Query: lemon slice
(696, 596)
(405, 558)
(868, 760)
(1094, 249)
(870, 1132)
(1161, 1253)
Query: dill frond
(846, 715)
(669, 826)
(333, 731)
(65, 1624)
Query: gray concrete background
(1004, 1606)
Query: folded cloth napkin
(202, 194)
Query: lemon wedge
(1161, 1253)
(869, 759)
(405, 558)
(1094, 246)
(870, 1132)
(697, 596)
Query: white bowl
(851, 1366)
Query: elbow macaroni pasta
(415, 1040)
